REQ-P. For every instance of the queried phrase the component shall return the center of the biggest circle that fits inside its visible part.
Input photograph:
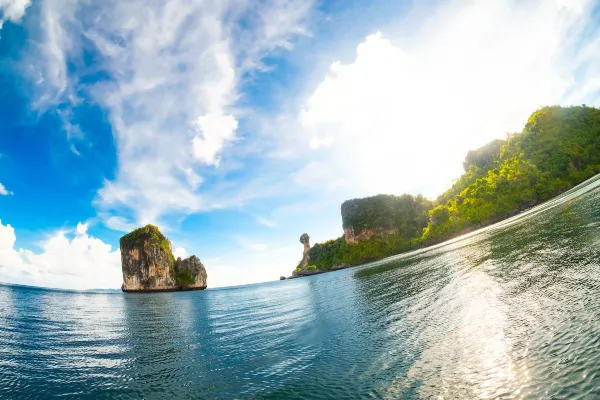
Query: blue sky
(236, 126)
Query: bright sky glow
(236, 125)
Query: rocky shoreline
(311, 272)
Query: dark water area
(509, 312)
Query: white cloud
(120, 224)
(12, 10)
(215, 131)
(180, 252)
(175, 68)
(266, 222)
(4, 191)
(401, 115)
(68, 261)
(75, 260)
(81, 229)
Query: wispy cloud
(4, 191)
(119, 224)
(265, 221)
(173, 72)
(250, 244)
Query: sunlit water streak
(512, 311)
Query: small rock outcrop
(149, 266)
(305, 240)
(190, 274)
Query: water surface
(510, 312)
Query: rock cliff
(384, 215)
(353, 237)
(305, 240)
(149, 266)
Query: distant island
(558, 148)
(149, 265)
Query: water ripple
(510, 312)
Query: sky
(238, 125)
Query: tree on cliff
(558, 148)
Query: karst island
(149, 265)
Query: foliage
(406, 213)
(558, 149)
(335, 252)
(311, 267)
(184, 276)
(148, 234)
(483, 157)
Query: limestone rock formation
(305, 240)
(384, 215)
(352, 236)
(190, 273)
(149, 266)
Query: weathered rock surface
(353, 236)
(305, 240)
(149, 266)
(190, 273)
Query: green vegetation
(484, 156)
(311, 267)
(184, 276)
(407, 214)
(558, 149)
(150, 234)
(335, 252)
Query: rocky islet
(148, 264)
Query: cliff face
(353, 237)
(146, 267)
(148, 264)
(384, 215)
(190, 273)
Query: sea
(510, 311)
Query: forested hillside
(558, 148)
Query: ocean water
(512, 311)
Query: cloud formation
(4, 191)
(69, 260)
(266, 222)
(74, 259)
(415, 101)
(12, 10)
(172, 75)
